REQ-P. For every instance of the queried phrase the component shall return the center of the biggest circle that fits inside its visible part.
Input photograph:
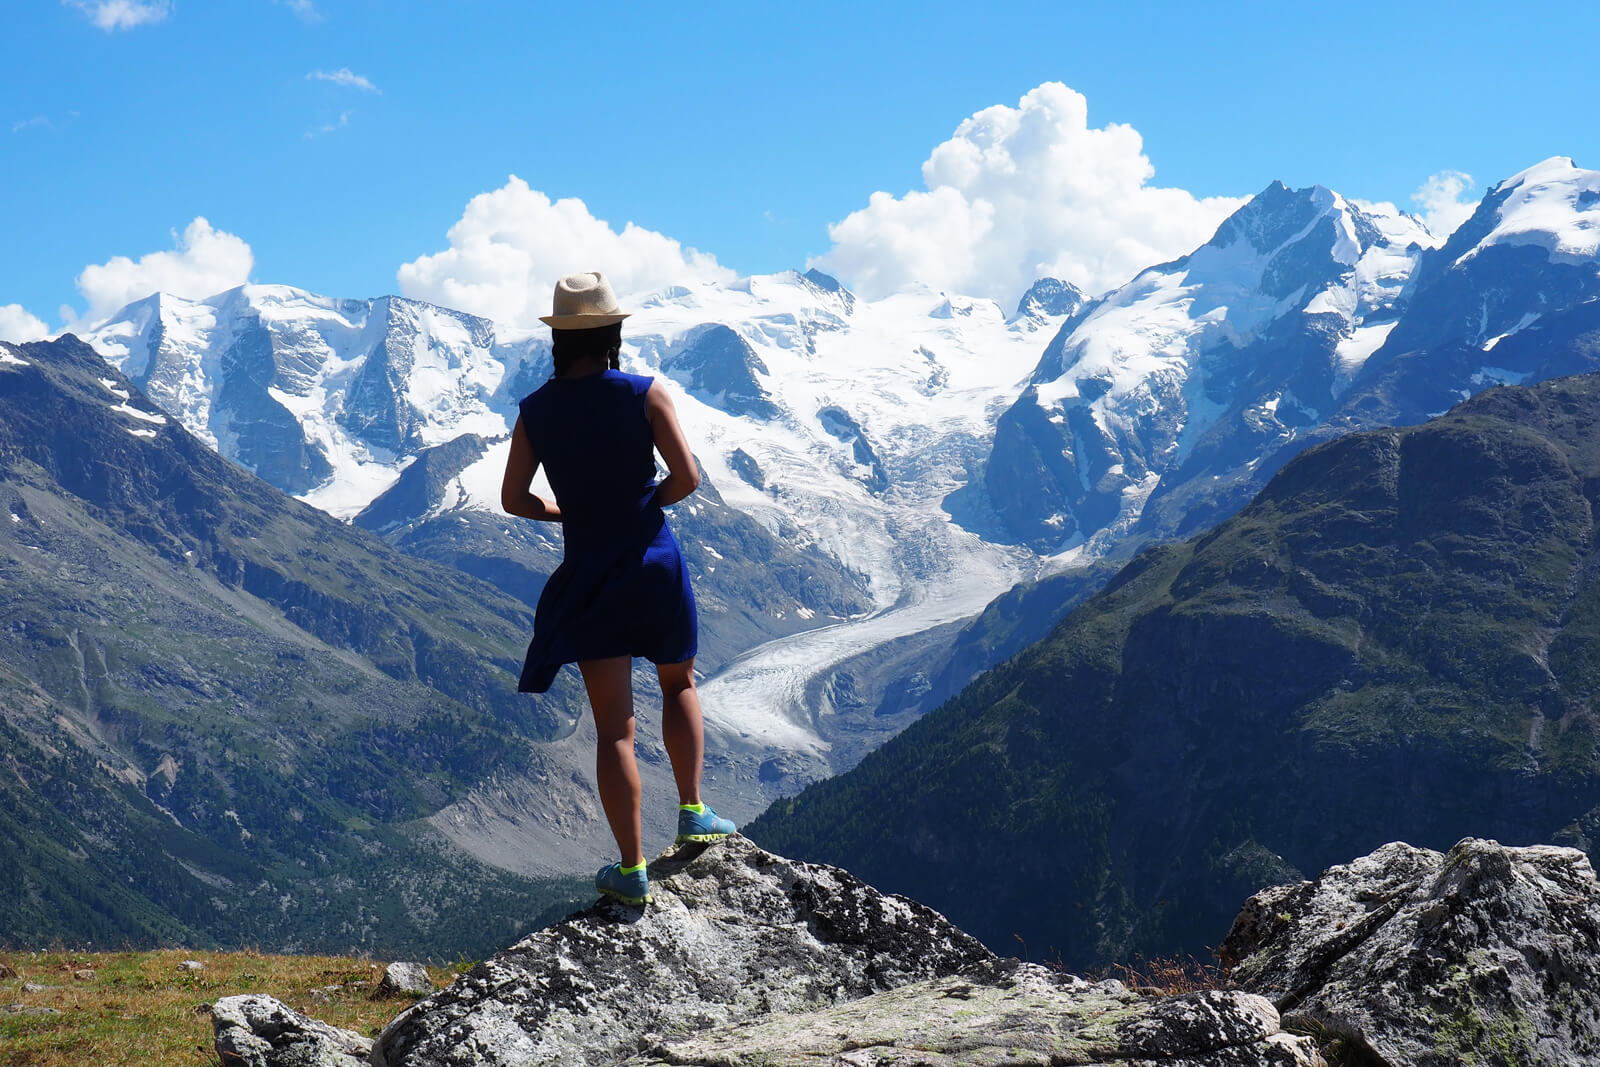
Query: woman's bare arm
(516, 496)
(683, 473)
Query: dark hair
(573, 345)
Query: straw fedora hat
(582, 302)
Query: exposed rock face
(1005, 1013)
(715, 361)
(259, 1031)
(1485, 955)
(732, 933)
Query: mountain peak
(1555, 168)
(1051, 296)
(1554, 205)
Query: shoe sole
(625, 899)
(684, 839)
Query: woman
(622, 589)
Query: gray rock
(732, 933)
(84, 974)
(260, 1031)
(191, 966)
(26, 1009)
(36, 987)
(1005, 1013)
(405, 980)
(1487, 954)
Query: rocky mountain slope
(227, 715)
(1401, 958)
(1395, 639)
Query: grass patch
(141, 1008)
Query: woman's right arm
(683, 473)
(516, 495)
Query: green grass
(140, 1008)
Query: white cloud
(111, 15)
(1021, 193)
(305, 9)
(205, 262)
(1439, 199)
(329, 127)
(38, 122)
(344, 76)
(17, 326)
(511, 245)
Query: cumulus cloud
(111, 15)
(511, 245)
(17, 325)
(344, 76)
(205, 262)
(1439, 201)
(1021, 193)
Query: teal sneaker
(631, 888)
(706, 826)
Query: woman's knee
(676, 678)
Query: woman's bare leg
(610, 686)
(682, 731)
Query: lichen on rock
(1485, 955)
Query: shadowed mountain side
(1398, 638)
(225, 710)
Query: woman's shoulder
(639, 383)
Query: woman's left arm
(516, 495)
(683, 473)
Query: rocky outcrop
(1003, 1014)
(744, 956)
(259, 1031)
(1486, 954)
(1403, 958)
(732, 933)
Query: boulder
(1006, 1013)
(260, 1031)
(405, 980)
(1484, 954)
(732, 933)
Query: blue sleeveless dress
(622, 588)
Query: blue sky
(329, 144)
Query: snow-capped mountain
(877, 470)
(1268, 320)
(323, 398)
(1167, 403)
(832, 431)
(1524, 267)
